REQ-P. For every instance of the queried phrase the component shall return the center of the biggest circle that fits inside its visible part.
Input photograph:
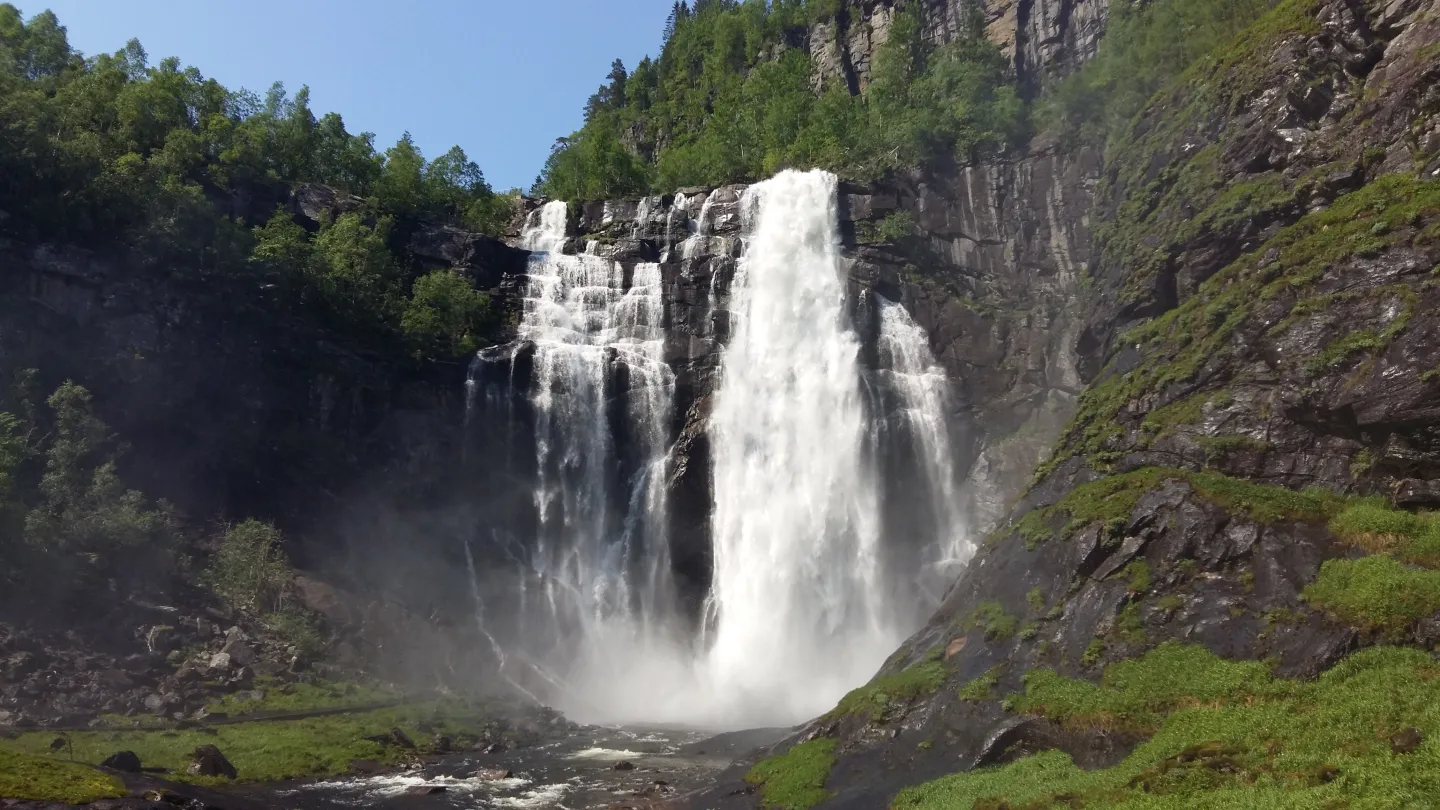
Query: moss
(1169, 603)
(295, 697)
(991, 617)
(1220, 447)
(795, 780)
(875, 699)
(1227, 735)
(1375, 593)
(983, 687)
(1035, 599)
(272, 750)
(1112, 499)
(42, 779)
(1390, 212)
(1137, 576)
(1093, 651)
(1129, 627)
(1136, 694)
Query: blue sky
(501, 78)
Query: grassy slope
(266, 751)
(25, 776)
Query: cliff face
(1256, 323)
(1047, 39)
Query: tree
(446, 313)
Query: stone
(208, 761)
(426, 790)
(239, 652)
(624, 766)
(492, 774)
(124, 761)
(1413, 493)
(1406, 741)
(160, 638)
(441, 744)
(154, 703)
(220, 661)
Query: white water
(922, 391)
(600, 567)
(800, 612)
(808, 595)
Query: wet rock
(441, 744)
(125, 761)
(426, 790)
(393, 737)
(492, 774)
(208, 761)
(1413, 493)
(624, 766)
(1406, 741)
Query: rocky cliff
(1257, 358)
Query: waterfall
(921, 438)
(801, 614)
(835, 524)
(601, 396)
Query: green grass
(983, 687)
(27, 776)
(299, 697)
(1372, 525)
(1375, 593)
(874, 699)
(269, 750)
(1226, 736)
(1112, 499)
(795, 780)
(991, 617)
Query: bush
(446, 314)
(249, 570)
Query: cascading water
(801, 615)
(601, 394)
(815, 579)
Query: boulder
(426, 790)
(624, 766)
(220, 661)
(1406, 741)
(441, 744)
(401, 739)
(123, 761)
(492, 774)
(240, 653)
(208, 761)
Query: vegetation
(731, 99)
(1376, 593)
(300, 697)
(874, 699)
(111, 150)
(983, 687)
(795, 780)
(25, 776)
(267, 751)
(1226, 734)
(1109, 501)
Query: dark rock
(1406, 741)
(441, 744)
(426, 790)
(1413, 493)
(125, 761)
(624, 766)
(208, 761)
(492, 774)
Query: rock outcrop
(1258, 350)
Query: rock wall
(1257, 323)
(1047, 39)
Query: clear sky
(501, 78)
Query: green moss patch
(1376, 593)
(874, 699)
(1372, 525)
(44, 779)
(1227, 735)
(300, 697)
(1112, 499)
(266, 751)
(990, 616)
(795, 780)
(983, 687)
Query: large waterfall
(835, 522)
